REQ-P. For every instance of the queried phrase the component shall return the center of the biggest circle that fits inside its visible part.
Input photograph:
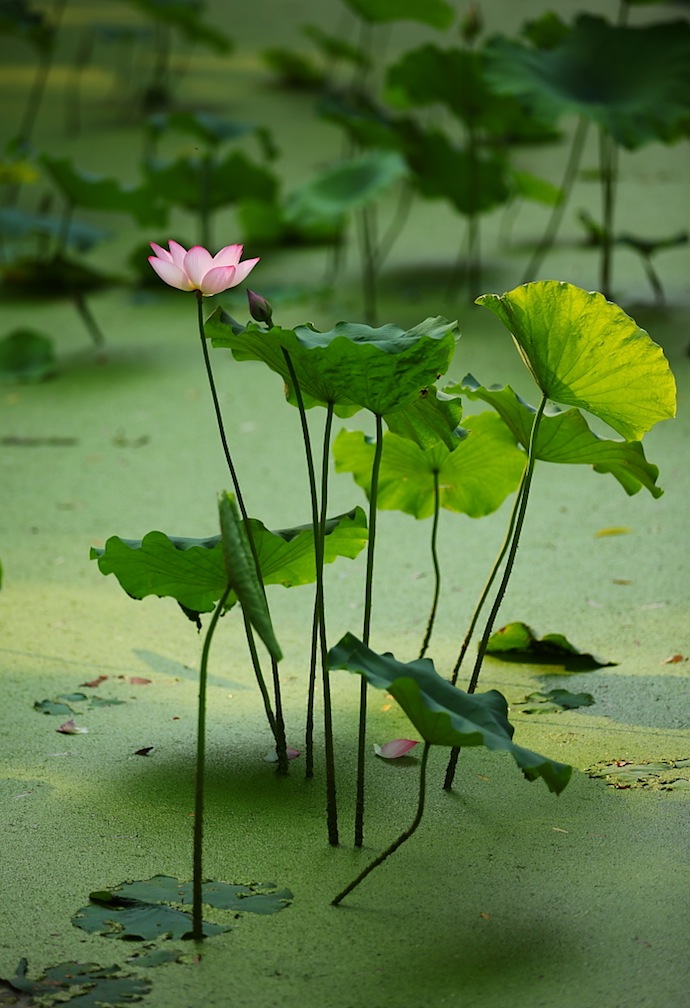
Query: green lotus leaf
(633, 82)
(96, 986)
(554, 701)
(225, 180)
(473, 480)
(436, 13)
(518, 642)
(443, 714)
(565, 437)
(242, 575)
(474, 182)
(353, 366)
(347, 186)
(432, 416)
(193, 570)
(584, 351)
(93, 193)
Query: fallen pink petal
(395, 749)
(95, 682)
(69, 728)
(272, 756)
(198, 270)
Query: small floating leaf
(97, 985)
(664, 775)
(153, 908)
(517, 642)
(554, 700)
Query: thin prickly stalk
(197, 855)
(403, 836)
(522, 500)
(437, 567)
(366, 632)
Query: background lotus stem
(403, 836)
(437, 567)
(88, 318)
(569, 175)
(517, 522)
(366, 229)
(197, 856)
(366, 631)
(608, 168)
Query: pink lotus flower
(198, 270)
(395, 749)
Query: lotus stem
(517, 521)
(366, 631)
(281, 748)
(403, 836)
(366, 223)
(608, 166)
(319, 620)
(198, 842)
(556, 217)
(437, 567)
(88, 318)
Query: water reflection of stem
(403, 836)
(516, 521)
(197, 855)
(366, 631)
(437, 567)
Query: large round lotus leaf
(436, 13)
(353, 365)
(585, 351)
(474, 479)
(633, 82)
(346, 186)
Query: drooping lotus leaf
(473, 480)
(193, 571)
(443, 714)
(634, 82)
(584, 351)
(436, 13)
(96, 193)
(224, 181)
(432, 416)
(346, 186)
(242, 575)
(353, 366)
(518, 642)
(565, 437)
